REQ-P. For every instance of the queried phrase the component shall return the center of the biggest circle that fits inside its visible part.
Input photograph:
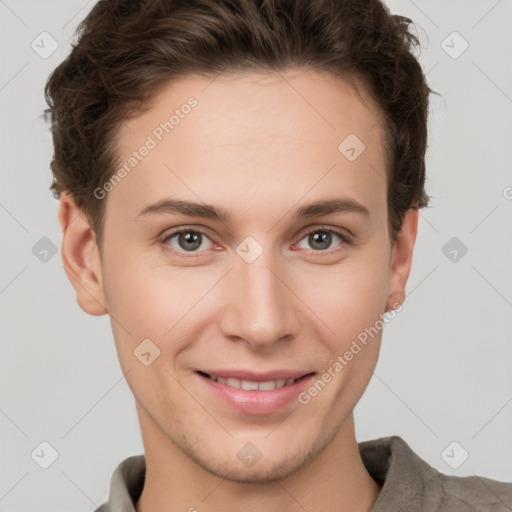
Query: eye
(321, 239)
(193, 241)
(188, 240)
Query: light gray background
(444, 373)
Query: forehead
(258, 135)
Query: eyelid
(324, 227)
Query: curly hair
(127, 50)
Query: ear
(401, 259)
(80, 255)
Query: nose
(258, 308)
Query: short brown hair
(126, 50)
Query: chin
(266, 472)
(265, 469)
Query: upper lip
(257, 376)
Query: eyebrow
(207, 211)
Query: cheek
(145, 311)
(347, 298)
(152, 300)
(134, 298)
(354, 311)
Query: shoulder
(410, 483)
(476, 491)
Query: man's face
(262, 294)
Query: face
(216, 265)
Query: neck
(335, 479)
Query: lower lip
(257, 401)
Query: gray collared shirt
(408, 483)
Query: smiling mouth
(249, 385)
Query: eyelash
(345, 240)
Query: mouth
(252, 393)
(253, 385)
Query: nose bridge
(258, 307)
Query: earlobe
(80, 257)
(401, 259)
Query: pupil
(322, 238)
(188, 237)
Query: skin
(256, 147)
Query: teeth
(251, 385)
(234, 383)
(247, 384)
(267, 386)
